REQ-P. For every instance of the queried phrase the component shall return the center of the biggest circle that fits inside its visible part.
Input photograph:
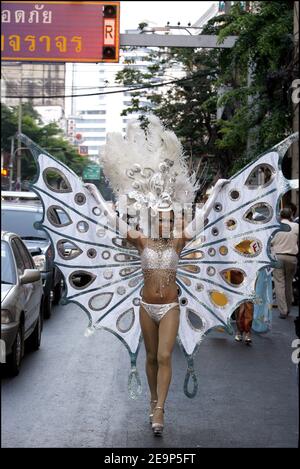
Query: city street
(72, 393)
(149, 151)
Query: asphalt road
(72, 393)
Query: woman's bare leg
(167, 332)
(150, 335)
(249, 309)
(240, 312)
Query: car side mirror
(30, 275)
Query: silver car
(21, 300)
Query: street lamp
(149, 29)
(168, 28)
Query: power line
(80, 70)
(156, 85)
(22, 89)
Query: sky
(160, 12)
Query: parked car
(21, 300)
(17, 196)
(19, 216)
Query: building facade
(90, 118)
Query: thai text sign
(60, 31)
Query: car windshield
(8, 273)
(21, 222)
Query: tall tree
(221, 104)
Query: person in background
(285, 247)
(243, 314)
(244, 318)
(293, 208)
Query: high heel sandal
(248, 339)
(158, 427)
(238, 336)
(152, 407)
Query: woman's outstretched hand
(93, 191)
(90, 187)
(222, 182)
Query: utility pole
(73, 99)
(18, 183)
(11, 162)
(18, 186)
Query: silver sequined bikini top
(157, 256)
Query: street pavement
(72, 393)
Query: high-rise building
(90, 118)
(219, 8)
(24, 79)
(33, 79)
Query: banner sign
(60, 31)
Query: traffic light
(109, 11)
(4, 172)
(109, 52)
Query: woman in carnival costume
(160, 190)
(169, 277)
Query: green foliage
(257, 109)
(48, 136)
(264, 40)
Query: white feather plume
(147, 149)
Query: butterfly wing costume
(217, 268)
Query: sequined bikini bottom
(157, 311)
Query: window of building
(90, 129)
(89, 121)
(93, 112)
(95, 139)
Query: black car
(19, 217)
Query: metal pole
(11, 162)
(163, 40)
(18, 184)
(73, 99)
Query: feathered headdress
(148, 166)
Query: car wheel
(57, 293)
(34, 341)
(15, 358)
(47, 304)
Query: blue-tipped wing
(102, 272)
(219, 267)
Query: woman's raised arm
(114, 220)
(201, 214)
